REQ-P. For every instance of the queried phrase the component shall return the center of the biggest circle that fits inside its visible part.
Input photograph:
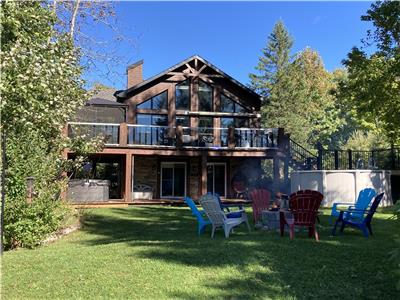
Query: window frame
(189, 96)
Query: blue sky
(229, 34)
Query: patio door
(173, 180)
(216, 178)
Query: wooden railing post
(179, 133)
(123, 134)
(231, 138)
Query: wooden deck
(167, 202)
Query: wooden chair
(303, 209)
(260, 201)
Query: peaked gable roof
(123, 94)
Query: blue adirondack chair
(200, 215)
(229, 214)
(364, 199)
(364, 224)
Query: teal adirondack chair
(200, 215)
(364, 199)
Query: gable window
(228, 105)
(159, 101)
(205, 96)
(182, 95)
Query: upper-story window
(228, 105)
(159, 120)
(205, 96)
(182, 95)
(159, 101)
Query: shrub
(26, 225)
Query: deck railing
(109, 131)
(150, 135)
(154, 135)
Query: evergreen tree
(273, 62)
(297, 91)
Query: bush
(26, 225)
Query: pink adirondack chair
(260, 201)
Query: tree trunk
(73, 18)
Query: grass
(154, 253)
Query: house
(189, 130)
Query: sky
(228, 34)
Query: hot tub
(88, 190)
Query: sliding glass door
(173, 180)
(216, 178)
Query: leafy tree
(373, 85)
(41, 89)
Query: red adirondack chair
(303, 208)
(260, 201)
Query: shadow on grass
(264, 264)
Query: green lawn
(154, 252)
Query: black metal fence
(383, 159)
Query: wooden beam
(201, 69)
(190, 68)
(123, 134)
(128, 178)
(215, 76)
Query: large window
(228, 105)
(182, 95)
(205, 96)
(159, 101)
(160, 120)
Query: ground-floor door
(173, 180)
(216, 178)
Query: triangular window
(228, 105)
(157, 102)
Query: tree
(273, 62)
(297, 91)
(373, 85)
(98, 55)
(41, 89)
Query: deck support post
(203, 187)
(128, 177)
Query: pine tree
(274, 60)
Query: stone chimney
(135, 73)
